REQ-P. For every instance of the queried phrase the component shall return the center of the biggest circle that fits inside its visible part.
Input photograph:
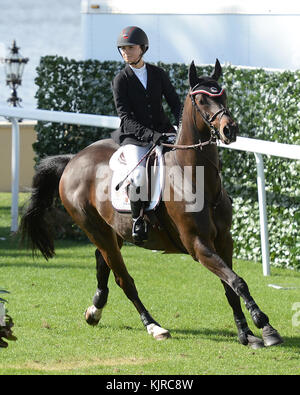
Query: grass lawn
(48, 299)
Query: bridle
(212, 92)
(214, 133)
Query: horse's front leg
(224, 246)
(203, 251)
(94, 312)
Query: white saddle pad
(118, 165)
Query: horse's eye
(202, 100)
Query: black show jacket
(140, 110)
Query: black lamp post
(14, 67)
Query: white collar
(140, 70)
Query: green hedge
(265, 104)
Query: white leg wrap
(157, 332)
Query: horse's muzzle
(229, 132)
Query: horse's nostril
(227, 132)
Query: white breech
(133, 154)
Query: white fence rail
(258, 147)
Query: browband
(210, 91)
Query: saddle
(155, 180)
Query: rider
(138, 90)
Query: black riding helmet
(133, 35)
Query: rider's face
(131, 53)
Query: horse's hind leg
(126, 282)
(108, 244)
(94, 312)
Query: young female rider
(138, 91)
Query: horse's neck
(192, 129)
(188, 135)
(207, 157)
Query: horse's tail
(34, 227)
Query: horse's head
(210, 100)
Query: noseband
(212, 92)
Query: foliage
(266, 105)
(2, 291)
(68, 85)
(6, 323)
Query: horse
(203, 233)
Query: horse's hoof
(255, 342)
(93, 315)
(271, 336)
(3, 344)
(247, 338)
(158, 332)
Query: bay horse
(204, 234)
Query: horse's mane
(179, 129)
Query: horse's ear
(193, 78)
(217, 71)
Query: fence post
(263, 214)
(15, 167)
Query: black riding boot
(139, 227)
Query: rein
(199, 145)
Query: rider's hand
(156, 138)
(171, 138)
(159, 138)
